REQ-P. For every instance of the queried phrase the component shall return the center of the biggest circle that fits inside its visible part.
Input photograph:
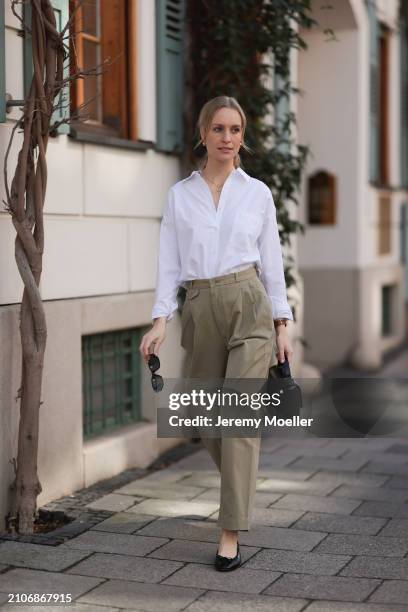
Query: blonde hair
(204, 121)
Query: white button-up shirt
(198, 240)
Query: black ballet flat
(226, 564)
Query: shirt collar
(238, 171)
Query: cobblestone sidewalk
(329, 534)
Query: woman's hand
(283, 344)
(153, 339)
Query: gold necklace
(218, 188)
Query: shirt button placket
(218, 215)
(214, 248)
(217, 221)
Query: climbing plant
(239, 48)
(25, 198)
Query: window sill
(385, 187)
(110, 141)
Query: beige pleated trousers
(228, 332)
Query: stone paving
(329, 534)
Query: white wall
(328, 123)
(388, 11)
(334, 122)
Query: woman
(219, 239)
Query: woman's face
(224, 136)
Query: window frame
(102, 132)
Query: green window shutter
(374, 90)
(2, 65)
(61, 10)
(169, 62)
(404, 101)
(282, 109)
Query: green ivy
(225, 41)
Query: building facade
(107, 182)
(108, 178)
(354, 116)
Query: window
(384, 105)
(384, 224)
(111, 380)
(379, 97)
(374, 90)
(282, 110)
(387, 294)
(105, 30)
(322, 198)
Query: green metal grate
(111, 380)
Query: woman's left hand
(283, 344)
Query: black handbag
(291, 396)
(181, 298)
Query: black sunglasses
(154, 365)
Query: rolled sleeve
(272, 271)
(168, 264)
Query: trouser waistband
(225, 279)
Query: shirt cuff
(280, 309)
(157, 312)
